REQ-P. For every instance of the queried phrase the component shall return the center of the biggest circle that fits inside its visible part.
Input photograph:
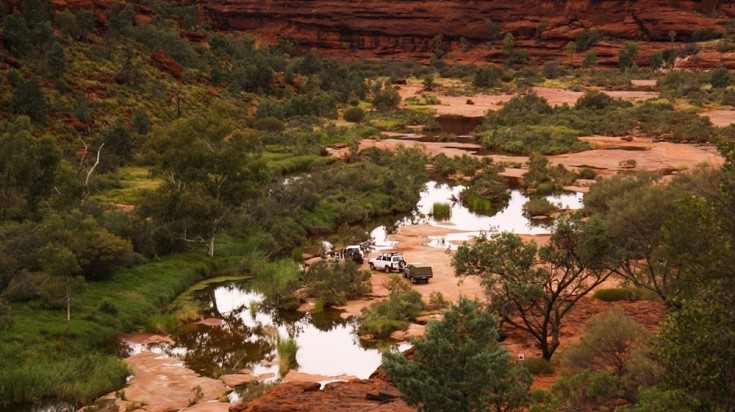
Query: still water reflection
(469, 224)
(248, 336)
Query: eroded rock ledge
(372, 394)
(411, 28)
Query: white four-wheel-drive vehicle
(388, 261)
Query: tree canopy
(533, 288)
(460, 366)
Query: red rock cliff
(409, 28)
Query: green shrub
(437, 301)
(354, 114)
(270, 124)
(587, 388)
(381, 328)
(539, 206)
(25, 286)
(335, 284)
(487, 191)
(587, 173)
(538, 366)
(487, 76)
(593, 99)
(586, 39)
(385, 316)
(545, 189)
(552, 69)
(627, 294)
(386, 100)
(704, 35)
(442, 211)
(108, 306)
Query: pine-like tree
(460, 366)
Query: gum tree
(534, 288)
(210, 170)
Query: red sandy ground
(484, 102)
(720, 117)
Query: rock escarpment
(413, 28)
(356, 395)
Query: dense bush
(704, 35)
(625, 294)
(552, 69)
(334, 284)
(487, 76)
(445, 166)
(528, 124)
(538, 366)
(586, 39)
(539, 206)
(524, 140)
(386, 100)
(487, 192)
(593, 99)
(270, 124)
(385, 316)
(354, 114)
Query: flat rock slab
(720, 118)
(237, 379)
(211, 322)
(296, 376)
(208, 407)
(163, 383)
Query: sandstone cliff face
(409, 28)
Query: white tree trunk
(210, 247)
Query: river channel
(328, 346)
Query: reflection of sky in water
(329, 353)
(510, 219)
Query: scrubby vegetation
(335, 284)
(136, 162)
(382, 318)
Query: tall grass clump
(277, 281)
(442, 211)
(287, 349)
(479, 205)
(539, 206)
(75, 380)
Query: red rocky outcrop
(163, 62)
(355, 395)
(409, 28)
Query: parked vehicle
(353, 252)
(418, 272)
(388, 261)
